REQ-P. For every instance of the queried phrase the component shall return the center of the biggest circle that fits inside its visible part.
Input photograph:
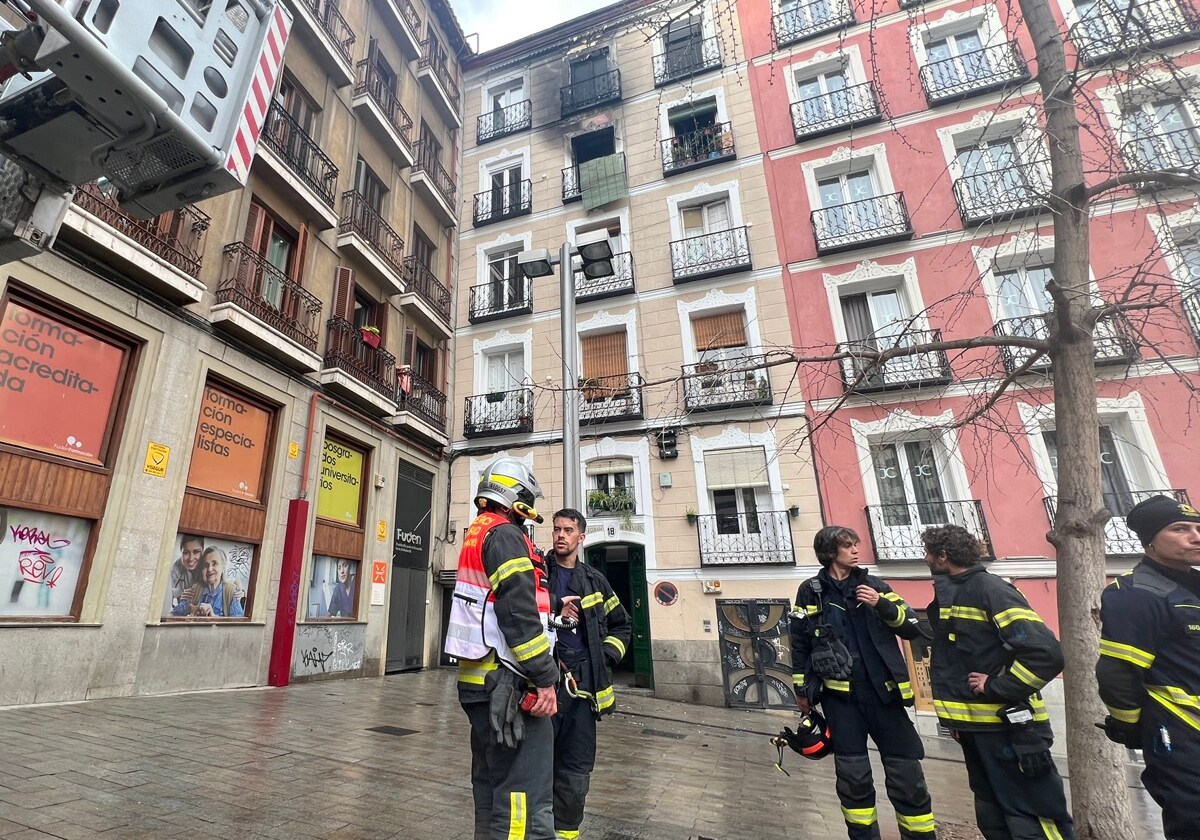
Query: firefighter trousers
(1171, 749)
(851, 721)
(574, 760)
(1008, 804)
(511, 787)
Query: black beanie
(1148, 517)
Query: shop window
(339, 538)
(229, 452)
(333, 588)
(339, 496)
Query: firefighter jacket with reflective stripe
(605, 626)
(983, 624)
(890, 618)
(1150, 643)
(501, 605)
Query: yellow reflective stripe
(589, 601)
(967, 613)
(516, 815)
(906, 691)
(983, 712)
(563, 834)
(859, 816)
(537, 645)
(1178, 702)
(1125, 715)
(1126, 653)
(1026, 676)
(507, 481)
(837, 685)
(1007, 617)
(617, 643)
(952, 637)
(1050, 829)
(509, 568)
(605, 697)
(812, 609)
(473, 672)
(919, 824)
(611, 604)
(798, 680)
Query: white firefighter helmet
(509, 483)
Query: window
(504, 96)
(369, 185)
(423, 360)
(801, 17)
(1115, 485)
(611, 487)
(1022, 293)
(298, 105)
(721, 346)
(847, 202)
(1163, 135)
(605, 366)
(739, 488)
(588, 80)
(873, 318)
(333, 588)
(992, 169)
(957, 60)
(431, 149)
(280, 252)
(422, 248)
(385, 77)
(690, 119)
(682, 45)
(823, 96)
(701, 219)
(911, 492)
(505, 370)
(506, 285)
(593, 145)
(506, 189)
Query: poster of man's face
(333, 588)
(199, 564)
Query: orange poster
(57, 384)
(231, 440)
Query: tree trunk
(1100, 799)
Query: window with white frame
(823, 95)
(728, 369)
(958, 59)
(739, 488)
(709, 217)
(847, 202)
(505, 283)
(505, 188)
(683, 40)
(909, 477)
(1022, 293)
(504, 369)
(1117, 481)
(1187, 244)
(611, 487)
(799, 19)
(1162, 134)
(1110, 26)
(697, 134)
(503, 96)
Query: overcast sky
(500, 22)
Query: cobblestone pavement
(386, 758)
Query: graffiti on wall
(328, 649)
(41, 555)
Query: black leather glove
(1128, 735)
(830, 659)
(505, 690)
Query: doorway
(625, 567)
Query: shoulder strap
(1148, 578)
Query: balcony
(1114, 344)
(836, 110)
(299, 164)
(619, 501)
(500, 203)
(710, 255)
(406, 23)
(500, 299)
(499, 413)
(607, 399)
(420, 406)
(702, 147)
(1119, 540)
(431, 180)
(726, 383)
(857, 224)
(808, 19)
(324, 26)
(896, 528)
(590, 93)
(1107, 29)
(435, 73)
(426, 297)
(268, 309)
(759, 538)
(163, 253)
(620, 282)
(379, 106)
(357, 371)
(1003, 194)
(862, 374)
(690, 59)
(504, 121)
(572, 188)
(363, 231)
(973, 73)
(1167, 150)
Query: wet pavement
(383, 758)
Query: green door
(643, 664)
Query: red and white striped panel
(254, 112)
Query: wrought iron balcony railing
(330, 18)
(896, 528)
(284, 136)
(427, 161)
(499, 413)
(500, 299)
(835, 111)
(417, 394)
(259, 288)
(1191, 309)
(620, 282)
(619, 501)
(378, 89)
(500, 203)
(870, 221)
(1119, 539)
(726, 383)
(409, 12)
(345, 350)
(590, 93)
(1114, 343)
(755, 538)
(435, 58)
(422, 281)
(360, 218)
(973, 73)
(1179, 149)
(609, 398)
(1106, 28)
(689, 59)
(176, 237)
(810, 17)
(711, 144)
(861, 373)
(710, 254)
(1003, 194)
(502, 122)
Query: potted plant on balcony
(370, 335)
(793, 511)
(691, 515)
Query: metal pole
(572, 491)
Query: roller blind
(604, 355)
(728, 329)
(609, 466)
(728, 469)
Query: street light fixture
(596, 252)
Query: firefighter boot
(856, 791)
(570, 792)
(910, 797)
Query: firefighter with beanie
(499, 630)
(1149, 668)
(991, 657)
(845, 655)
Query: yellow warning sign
(157, 456)
(381, 531)
(293, 450)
